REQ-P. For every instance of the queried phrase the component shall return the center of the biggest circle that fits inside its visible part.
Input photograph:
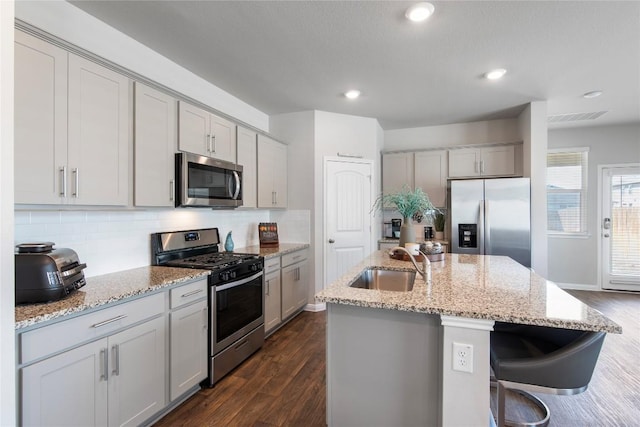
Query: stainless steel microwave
(207, 182)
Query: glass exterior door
(620, 228)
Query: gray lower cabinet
(295, 282)
(117, 381)
(188, 326)
(272, 294)
(117, 366)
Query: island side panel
(465, 395)
(383, 367)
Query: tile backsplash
(109, 241)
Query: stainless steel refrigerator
(491, 217)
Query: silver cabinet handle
(268, 288)
(213, 140)
(204, 323)
(106, 322)
(76, 173)
(481, 166)
(115, 351)
(172, 189)
(188, 294)
(104, 361)
(63, 181)
(331, 241)
(273, 197)
(236, 193)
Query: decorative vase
(228, 243)
(407, 232)
(439, 235)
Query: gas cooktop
(212, 261)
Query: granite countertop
(474, 286)
(106, 289)
(281, 249)
(418, 240)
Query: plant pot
(439, 235)
(407, 232)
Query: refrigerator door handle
(481, 229)
(487, 228)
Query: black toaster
(44, 274)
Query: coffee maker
(395, 228)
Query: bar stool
(528, 358)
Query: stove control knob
(224, 276)
(233, 274)
(253, 267)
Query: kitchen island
(390, 354)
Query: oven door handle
(238, 283)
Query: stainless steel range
(236, 296)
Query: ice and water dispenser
(468, 235)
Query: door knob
(331, 241)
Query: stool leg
(502, 391)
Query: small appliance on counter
(395, 228)
(44, 274)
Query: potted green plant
(407, 202)
(438, 223)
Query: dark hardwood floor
(284, 383)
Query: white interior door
(347, 215)
(620, 227)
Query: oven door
(237, 308)
(207, 182)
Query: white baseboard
(316, 307)
(578, 286)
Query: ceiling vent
(573, 117)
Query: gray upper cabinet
(272, 173)
(248, 158)
(204, 133)
(482, 161)
(431, 175)
(72, 128)
(397, 171)
(155, 138)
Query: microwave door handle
(236, 177)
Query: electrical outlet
(462, 357)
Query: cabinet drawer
(59, 336)
(188, 293)
(271, 264)
(294, 257)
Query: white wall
(532, 124)
(7, 298)
(73, 25)
(484, 132)
(575, 261)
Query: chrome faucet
(426, 264)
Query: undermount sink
(385, 280)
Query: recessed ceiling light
(496, 74)
(352, 94)
(592, 94)
(419, 12)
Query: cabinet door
(223, 139)
(464, 162)
(272, 173)
(280, 176)
(98, 134)
(431, 175)
(155, 145)
(40, 151)
(188, 348)
(68, 389)
(137, 378)
(272, 314)
(194, 131)
(498, 161)
(294, 288)
(397, 171)
(248, 158)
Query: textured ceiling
(286, 56)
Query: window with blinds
(567, 191)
